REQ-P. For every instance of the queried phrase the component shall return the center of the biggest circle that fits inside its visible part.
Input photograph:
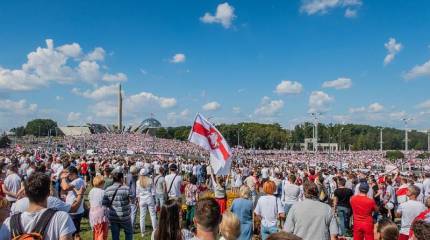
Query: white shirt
(95, 197)
(145, 194)
(426, 187)
(78, 183)
(12, 184)
(53, 202)
(57, 168)
(265, 173)
(290, 192)
(175, 190)
(60, 225)
(409, 210)
(269, 207)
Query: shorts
(77, 222)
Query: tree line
(273, 136)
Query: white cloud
(289, 87)
(425, 104)
(17, 107)
(99, 93)
(104, 109)
(71, 50)
(224, 15)
(73, 116)
(398, 115)
(417, 71)
(178, 58)
(139, 100)
(375, 107)
(340, 83)
(89, 71)
(211, 106)
(323, 6)
(269, 107)
(350, 13)
(184, 113)
(181, 117)
(48, 65)
(357, 110)
(98, 54)
(119, 77)
(59, 98)
(236, 110)
(392, 49)
(319, 101)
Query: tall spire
(119, 109)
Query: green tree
(4, 141)
(18, 131)
(40, 127)
(394, 155)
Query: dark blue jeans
(116, 228)
(343, 214)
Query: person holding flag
(205, 135)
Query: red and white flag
(208, 137)
(402, 193)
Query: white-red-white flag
(205, 134)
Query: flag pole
(191, 130)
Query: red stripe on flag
(200, 129)
(402, 191)
(224, 152)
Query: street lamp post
(406, 120)
(428, 140)
(340, 138)
(315, 115)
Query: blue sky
(357, 61)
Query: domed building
(147, 126)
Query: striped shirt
(120, 211)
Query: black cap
(173, 167)
(364, 187)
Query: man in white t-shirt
(426, 185)
(52, 202)
(69, 182)
(265, 174)
(173, 182)
(12, 184)
(409, 210)
(60, 224)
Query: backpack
(17, 232)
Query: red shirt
(362, 208)
(312, 178)
(84, 168)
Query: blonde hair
(144, 181)
(98, 181)
(245, 192)
(230, 226)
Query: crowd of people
(46, 191)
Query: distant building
(75, 130)
(147, 126)
(324, 147)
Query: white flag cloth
(208, 137)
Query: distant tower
(119, 109)
(428, 140)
